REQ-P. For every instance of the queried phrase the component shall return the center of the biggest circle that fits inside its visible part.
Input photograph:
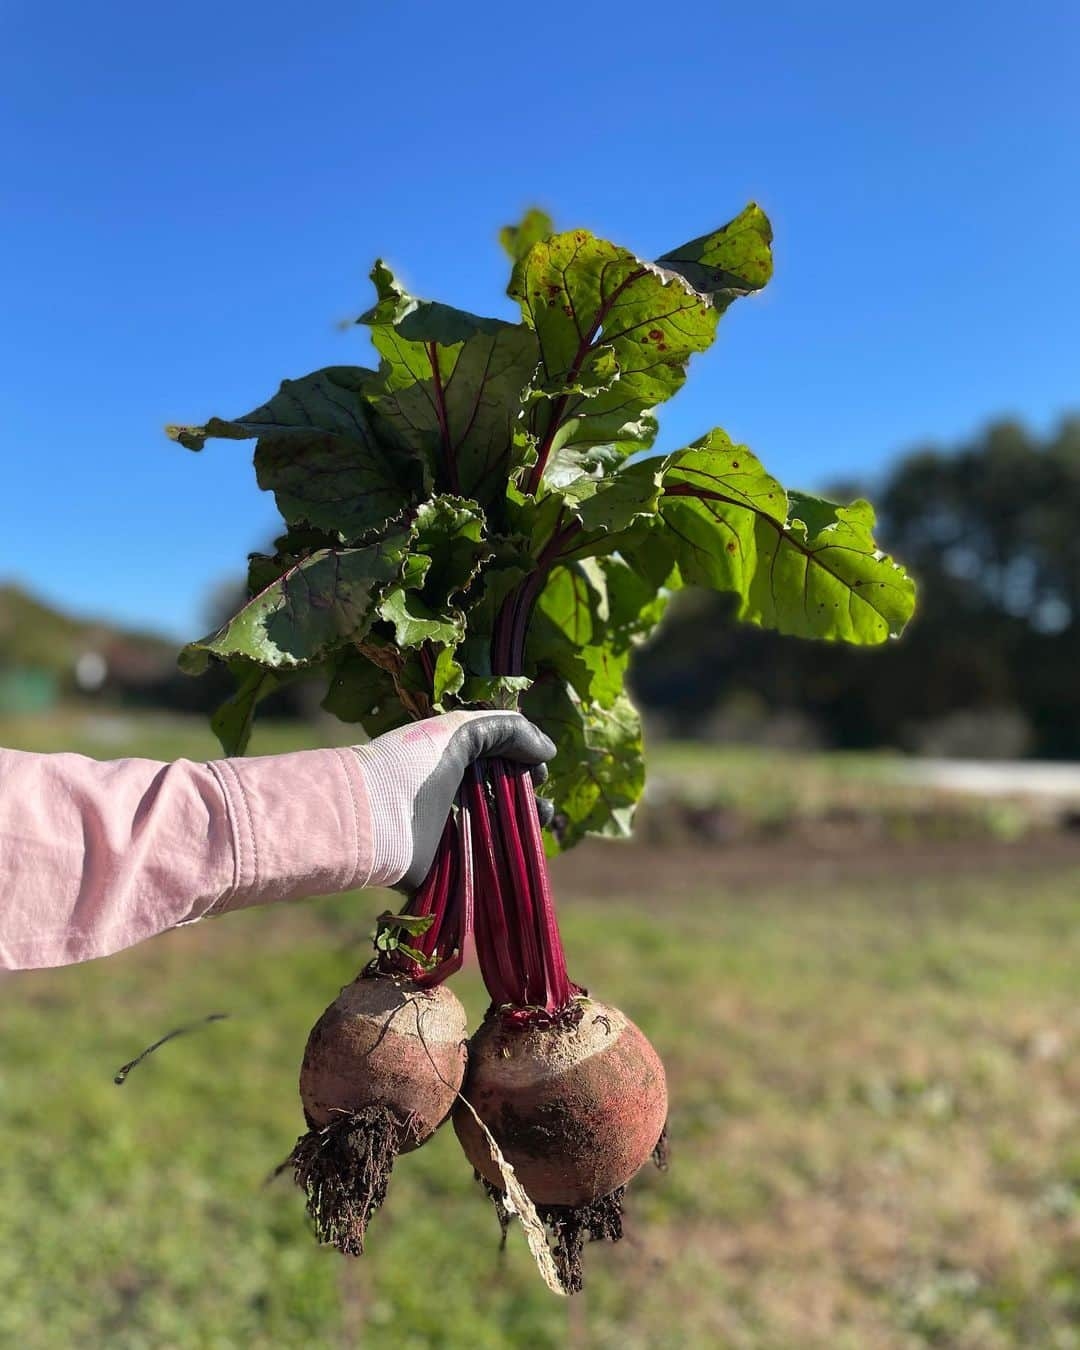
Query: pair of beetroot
(570, 1089)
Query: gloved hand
(413, 774)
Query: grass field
(875, 1088)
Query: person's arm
(97, 856)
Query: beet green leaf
(450, 388)
(362, 691)
(233, 720)
(799, 564)
(616, 333)
(319, 453)
(598, 774)
(731, 261)
(327, 599)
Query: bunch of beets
(473, 524)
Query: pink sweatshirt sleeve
(97, 856)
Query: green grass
(873, 1121)
(874, 1118)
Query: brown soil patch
(629, 870)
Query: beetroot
(381, 1070)
(577, 1109)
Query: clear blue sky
(194, 194)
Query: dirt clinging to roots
(570, 1226)
(599, 1221)
(344, 1169)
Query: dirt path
(627, 870)
(995, 778)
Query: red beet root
(385, 1043)
(577, 1109)
(381, 1071)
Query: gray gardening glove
(412, 776)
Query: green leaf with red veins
(598, 773)
(597, 374)
(290, 548)
(450, 388)
(328, 599)
(320, 455)
(800, 565)
(556, 573)
(730, 262)
(594, 305)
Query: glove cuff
(390, 783)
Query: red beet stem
(459, 912)
(445, 866)
(517, 938)
(496, 949)
(445, 895)
(520, 887)
(559, 988)
(490, 876)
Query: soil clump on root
(344, 1168)
(570, 1226)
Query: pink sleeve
(97, 856)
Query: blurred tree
(989, 664)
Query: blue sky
(195, 193)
